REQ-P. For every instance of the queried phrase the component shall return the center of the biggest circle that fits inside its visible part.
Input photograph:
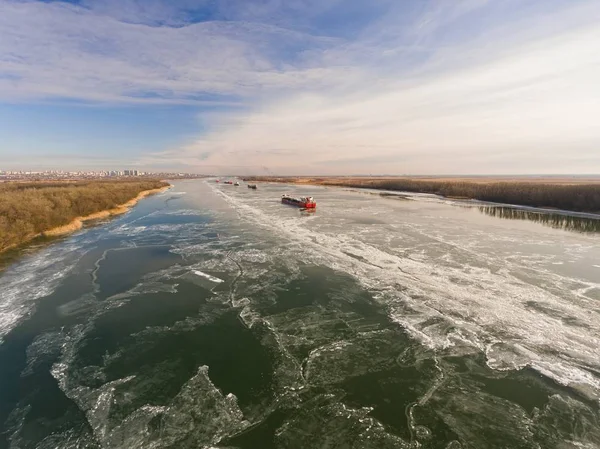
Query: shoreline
(468, 201)
(77, 223)
(532, 194)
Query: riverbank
(78, 222)
(38, 210)
(564, 193)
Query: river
(213, 316)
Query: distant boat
(252, 186)
(228, 182)
(236, 183)
(306, 202)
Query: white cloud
(532, 109)
(59, 50)
(457, 87)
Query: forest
(30, 208)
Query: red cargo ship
(306, 202)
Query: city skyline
(69, 175)
(302, 87)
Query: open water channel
(213, 316)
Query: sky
(315, 87)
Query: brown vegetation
(28, 210)
(575, 196)
(557, 221)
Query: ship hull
(298, 203)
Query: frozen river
(214, 316)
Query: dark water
(213, 316)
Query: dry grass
(581, 195)
(28, 210)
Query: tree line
(558, 221)
(30, 208)
(573, 197)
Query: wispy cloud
(60, 50)
(423, 87)
(527, 105)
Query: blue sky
(301, 86)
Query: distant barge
(252, 186)
(306, 202)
